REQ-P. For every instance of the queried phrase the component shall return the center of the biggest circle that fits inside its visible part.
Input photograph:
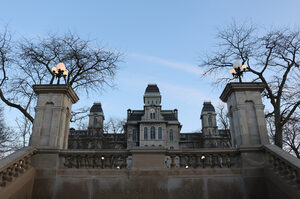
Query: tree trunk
(278, 135)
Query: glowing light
(202, 157)
(61, 66)
(232, 71)
(54, 69)
(102, 158)
(244, 66)
(118, 167)
(186, 166)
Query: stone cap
(245, 86)
(56, 88)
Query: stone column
(52, 116)
(246, 113)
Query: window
(159, 133)
(95, 122)
(145, 133)
(171, 135)
(152, 115)
(152, 133)
(209, 121)
(134, 135)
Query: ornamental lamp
(238, 70)
(58, 72)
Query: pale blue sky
(162, 42)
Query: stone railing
(204, 158)
(104, 159)
(283, 164)
(14, 165)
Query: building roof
(169, 116)
(135, 116)
(152, 88)
(96, 108)
(208, 107)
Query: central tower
(152, 95)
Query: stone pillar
(246, 113)
(52, 116)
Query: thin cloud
(189, 68)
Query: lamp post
(238, 70)
(58, 72)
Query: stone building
(150, 127)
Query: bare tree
(8, 139)
(24, 127)
(222, 116)
(272, 58)
(114, 125)
(291, 136)
(26, 62)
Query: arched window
(152, 132)
(134, 135)
(145, 133)
(210, 121)
(152, 115)
(159, 133)
(171, 135)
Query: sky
(163, 42)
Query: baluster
(78, 161)
(220, 160)
(16, 170)
(9, 174)
(28, 161)
(228, 160)
(3, 178)
(181, 160)
(66, 163)
(21, 166)
(95, 162)
(211, 160)
(107, 161)
(190, 160)
(203, 160)
(87, 161)
(102, 159)
(124, 161)
(223, 156)
(112, 161)
(197, 160)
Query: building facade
(150, 127)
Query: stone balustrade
(14, 165)
(95, 159)
(283, 164)
(212, 158)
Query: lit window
(145, 133)
(171, 135)
(159, 133)
(152, 133)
